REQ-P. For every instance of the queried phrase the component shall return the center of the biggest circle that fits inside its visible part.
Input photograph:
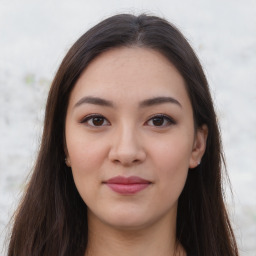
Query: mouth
(127, 185)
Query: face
(130, 138)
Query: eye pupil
(97, 121)
(158, 121)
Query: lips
(127, 185)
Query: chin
(130, 224)
(124, 220)
(131, 221)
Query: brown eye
(158, 121)
(161, 121)
(95, 121)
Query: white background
(34, 37)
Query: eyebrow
(95, 101)
(159, 100)
(145, 103)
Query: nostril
(126, 162)
(127, 152)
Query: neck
(156, 240)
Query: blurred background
(34, 37)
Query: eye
(160, 121)
(95, 120)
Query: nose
(126, 147)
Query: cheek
(86, 156)
(174, 155)
(171, 161)
(86, 163)
(83, 155)
(84, 151)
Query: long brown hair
(52, 217)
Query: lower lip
(127, 189)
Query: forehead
(130, 73)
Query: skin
(131, 139)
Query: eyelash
(167, 119)
(90, 118)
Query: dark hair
(51, 219)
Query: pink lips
(127, 185)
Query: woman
(130, 161)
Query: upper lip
(127, 180)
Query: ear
(67, 161)
(198, 146)
(67, 158)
